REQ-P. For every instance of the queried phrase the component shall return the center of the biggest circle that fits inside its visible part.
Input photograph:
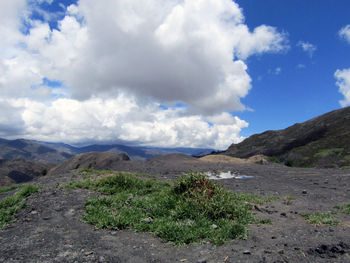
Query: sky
(171, 73)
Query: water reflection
(226, 175)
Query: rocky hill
(20, 171)
(320, 142)
(93, 160)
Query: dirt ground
(49, 229)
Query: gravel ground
(50, 229)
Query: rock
(213, 226)
(147, 220)
(247, 252)
(304, 192)
(284, 214)
(202, 261)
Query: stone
(147, 220)
(213, 226)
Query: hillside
(32, 151)
(20, 171)
(320, 142)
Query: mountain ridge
(48, 152)
(323, 141)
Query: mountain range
(55, 153)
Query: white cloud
(301, 66)
(345, 33)
(343, 82)
(278, 71)
(262, 39)
(122, 118)
(171, 51)
(186, 51)
(307, 47)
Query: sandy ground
(49, 229)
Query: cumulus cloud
(186, 51)
(345, 33)
(307, 47)
(126, 52)
(343, 82)
(122, 118)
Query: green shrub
(321, 219)
(192, 209)
(13, 203)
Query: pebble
(202, 261)
(147, 220)
(284, 214)
(213, 226)
(247, 252)
(304, 192)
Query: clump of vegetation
(274, 159)
(344, 208)
(192, 209)
(328, 152)
(10, 188)
(13, 203)
(321, 219)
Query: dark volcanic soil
(49, 229)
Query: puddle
(226, 175)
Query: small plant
(12, 204)
(344, 208)
(289, 198)
(289, 162)
(321, 219)
(192, 209)
(273, 159)
(10, 188)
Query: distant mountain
(320, 142)
(46, 152)
(31, 150)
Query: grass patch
(190, 210)
(288, 198)
(321, 219)
(274, 159)
(10, 188)
(328, 152)
(344, 208)
(12, 204)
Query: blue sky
(296, 94)
(169, 73)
